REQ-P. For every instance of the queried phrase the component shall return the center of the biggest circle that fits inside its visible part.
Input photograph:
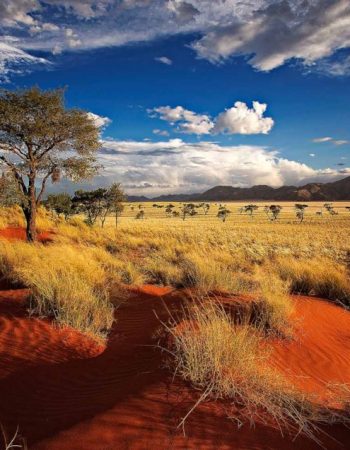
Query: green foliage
(41, 139)
(60, 204)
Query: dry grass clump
(11, 216)
(67, 283)
(273, 307)
(231, 362)
(317, 276)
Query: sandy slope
(66, 394)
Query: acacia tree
(300, 211)
(115, 198)
(90, 203)
(60, 204)
(41, 139)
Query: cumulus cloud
(173, 166)
(99, 121)
(164, 60)
(240, 119)
(188, 121)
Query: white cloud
(188, 121)
(99, 121)
(312, 155)
(153, 168)
(330, 139)
(236, 120)
(322, 139)
(160, 132)
(164, 60)
(14, 60)
(241, 120)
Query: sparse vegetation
(226, 360)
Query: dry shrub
(67, 283)
(319, 276)
(231, 362)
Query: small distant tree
(41, 139)
(329, 207)
(90, 203)
(223, 213)
(140, 215)
(60, 204)
(175, 214)
(188, 209)
(249, 209)
(273, 212)
(205, 207)
(300, 211)
(169, 210)
(115, 198)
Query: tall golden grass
(68, 284)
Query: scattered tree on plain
(116, 198)
(140, 215)
(188, 209)
(223, 213)
(300, 211)
(273, 212)
(41, 139)
(205, 207)
(249, 209)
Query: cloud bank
(173, 166)
(268, 33)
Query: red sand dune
(65, 398)
(19, 234)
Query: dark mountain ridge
(337, 190)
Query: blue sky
(167, 76)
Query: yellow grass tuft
(230, 361)
(68, 284)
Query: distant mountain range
(338, 190)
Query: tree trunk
(116, 220)
(30, 211)
(30, 216)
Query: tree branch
(43, 185)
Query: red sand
(123, 399)
(19, 234)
